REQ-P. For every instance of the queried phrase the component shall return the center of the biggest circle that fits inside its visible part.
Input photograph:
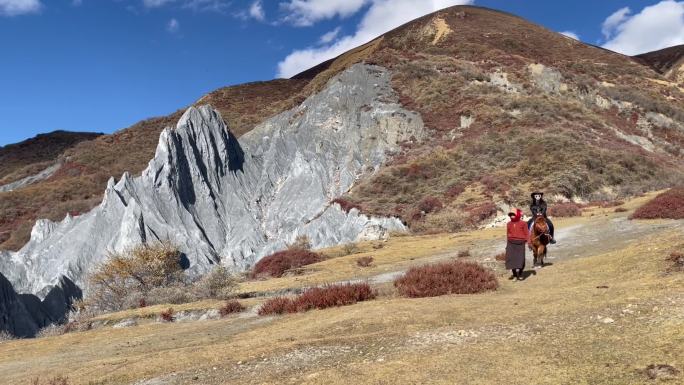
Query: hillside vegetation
(510, 106)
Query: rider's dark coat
(538, 207)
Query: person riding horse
(538, 207)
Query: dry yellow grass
(545, 330)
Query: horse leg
(534, 255)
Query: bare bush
(464, 254)
(676, 258)
(350, 248)
(151, 275)
(51, 330)
(302, 242)
(6, 336)
(230, 307)
(364, 261)
(140, 270)
(167, 315)
(218, 283)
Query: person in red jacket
(518, 236)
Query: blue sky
(102, 65)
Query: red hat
(516, 217)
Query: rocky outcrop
(29, 180)
(23, 315)
(14, 317)
(229, 201)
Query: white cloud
(256, 11)
(329, 36)
(614, 20)
(173, 26)
(308, 12)
(155, 3)
(655, 27)
(207, 5)
(195, 5)
(570, 34)
(382, 16)
(19, 7)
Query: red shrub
(277, 305)
(231, 306)
(454, 277)
(494, 184)
(346, 205)
(620, 209)
(454, 190)
(669, 204)
(167, 315)
(565, 210)
(334, 295)
(479, 212)
(319, 298)
(415, 172)
(142, 303)
(430, 204)
(364, 261)
(677, 260)
(275, 265)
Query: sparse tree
(139, 270)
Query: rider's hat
(535, 193)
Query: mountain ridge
(499, 96)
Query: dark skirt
(515, 255)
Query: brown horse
(539, 238)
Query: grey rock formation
(14, 317)
(232, 202)
(23, 315)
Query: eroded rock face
(229, 201)
(22, 315)
(14, 317)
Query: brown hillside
(669, 62)
(665, 59)
(31, 156)
(510, 106)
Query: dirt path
(584, 239)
